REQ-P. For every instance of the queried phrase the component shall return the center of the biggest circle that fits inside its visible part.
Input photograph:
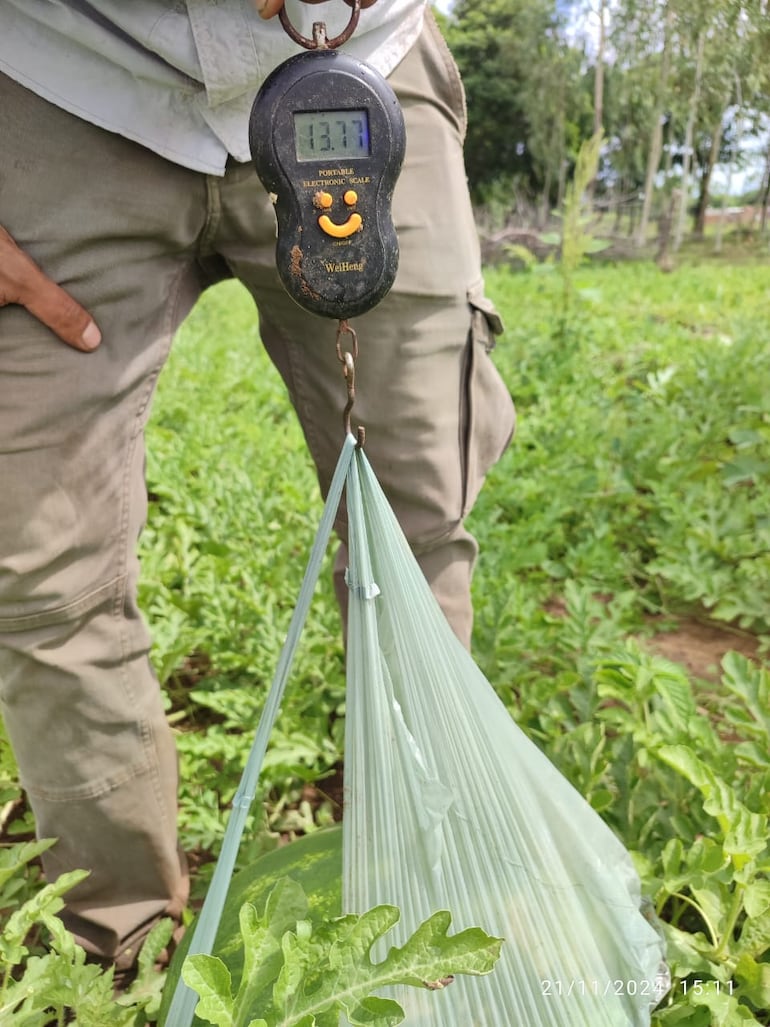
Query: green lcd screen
(332, 135)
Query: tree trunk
(560, 147)
(545, 202)
(735, 151)
(668, 160)
(705, 182)
(764, 195)
(599, 79)
(598, 92)
(633, 208)
(681, 210)
(656, 139)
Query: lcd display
(331, 135)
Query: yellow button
(351, 226)
(351, 197)
(323, 200)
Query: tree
(482, 37)
(731, 65)
(656, 136)
(641, 39)
(692, 114)
(555, 103)
(524, 88)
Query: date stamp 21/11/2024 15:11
(578, 986)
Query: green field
(633, 508)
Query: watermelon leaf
(316, 970)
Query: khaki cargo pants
(136, 239)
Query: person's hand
(269, 8)
(22, 282)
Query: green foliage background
(512, 55)
(531, 70)
(635, 495)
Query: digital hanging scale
(327, 138)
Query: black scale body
(327, 138)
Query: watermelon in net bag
(450, 806)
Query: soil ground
(700, 645)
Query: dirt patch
(700, 645)
(697, 644)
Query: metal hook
(320, 40)
(349, 371)
(348, 361)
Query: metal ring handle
(319, 40)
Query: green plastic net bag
(450, 806)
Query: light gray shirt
(177, 76)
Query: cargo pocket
(489, 416)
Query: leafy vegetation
(304, 973)
(633, 502)
(52, 983)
